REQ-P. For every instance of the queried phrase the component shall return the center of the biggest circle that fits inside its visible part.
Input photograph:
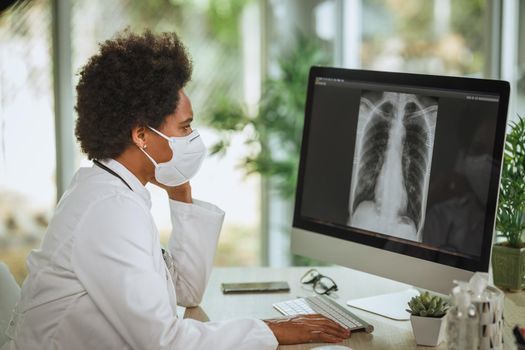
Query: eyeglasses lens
(325, 285)
(310, 276)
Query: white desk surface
(388, 334)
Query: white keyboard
(326, 307)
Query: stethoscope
(103, 167)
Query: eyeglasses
(322, 284)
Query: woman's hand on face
(302, 329)
(181, 193)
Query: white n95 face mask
(188, 155)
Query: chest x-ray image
(392, 158)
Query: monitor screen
(403, 162)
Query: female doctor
(100, 279)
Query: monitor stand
(391, 305)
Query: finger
(314, 318)
(331, 331)
(340, 329)
(331, 324)
(327, 338)
(322, 324)
(319, 317)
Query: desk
(388, 334)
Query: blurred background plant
(510, 223)
(276, 127)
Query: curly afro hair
(134, 80)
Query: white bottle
(462, 320)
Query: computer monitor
(399, 174)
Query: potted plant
(508, 257)
(427, 318)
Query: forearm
(193, 243)
(180, 193)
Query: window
(434, 37)
(27, 137)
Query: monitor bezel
(501, 88)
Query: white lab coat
(99, 280)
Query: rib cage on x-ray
(393, 155)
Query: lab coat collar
(131, 179)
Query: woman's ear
(138, 135)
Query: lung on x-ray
(392, 159)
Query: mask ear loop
(146, 153)
(193, 135)
(159, 133)
(150, 158)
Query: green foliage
(220, 17)
(275, 139)
(510, 222)
(426, 305)
(299, 260)
(223, 16)
(414, 20)
(465, 20)
(147, 14)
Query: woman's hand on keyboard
(307, 329)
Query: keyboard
(325, 306)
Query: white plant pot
(428, 331)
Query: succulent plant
(426, 305)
